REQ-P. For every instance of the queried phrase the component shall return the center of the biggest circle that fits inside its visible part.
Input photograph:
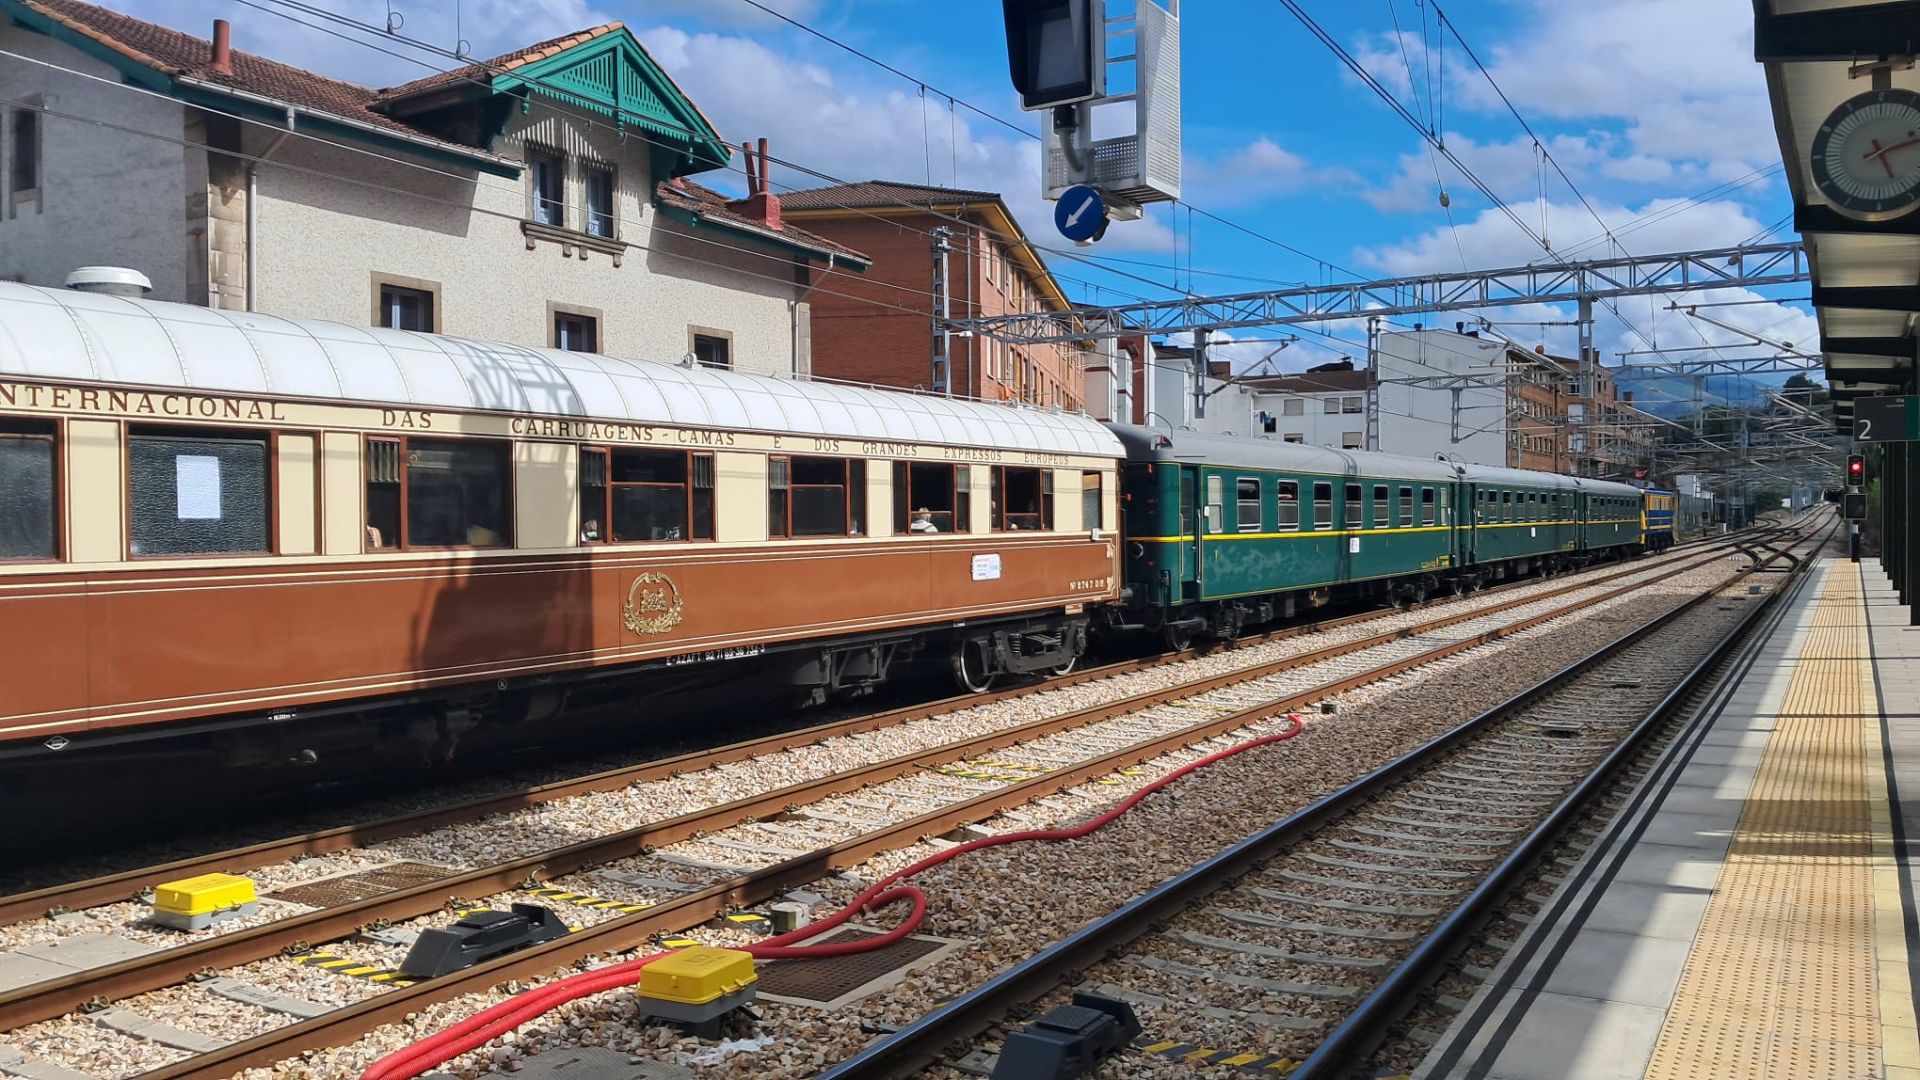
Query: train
(274, 540)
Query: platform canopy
(63, 335)
(1818, 55)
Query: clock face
(1866, 157)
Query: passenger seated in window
(923, 521)
(590, 530)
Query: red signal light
(1856, 468)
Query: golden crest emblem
(653, 604)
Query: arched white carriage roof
(64, 335)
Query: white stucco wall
(322, 241)
(1314, 425)
(1420, 421)
(106, 196)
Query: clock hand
(1881, 152)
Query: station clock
(1866, 156)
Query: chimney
(761, 205)
(221, 62)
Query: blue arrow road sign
(1080, 214)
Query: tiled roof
(876, 193)
(1312, 382)
(481, 70)
(684, 194)
(174, 53)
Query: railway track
(883, 806)
(1297, 949)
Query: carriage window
(593, 496)
(816, 496)
(930, 498)
(1427, 507)
(198, 494)
(1186, 501)
(1287, 506)
(1093, 508)
(1247, 495)
(1382, 507)
(1446, 506)
(1322, 506)
(26, 490)
(1506, 506)
(1024, 498)
(1356, 507)
(1216, 502)
(1406, 507)
(437, 493)
(644, 495)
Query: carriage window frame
(1322, 505)
(1405, 515)
(1002, 515)
(1093, 501)
(781, 486)
(959, 500)
(404, 529)
(53, 432)
(691, 489)
(1354, 513)
(1243, 502)
(1382, 517)
(1429, 509)
(1286, 505)
(270, 445)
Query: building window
(932, 498)
(198, 493)
(599, 209)
(1293, 437)
(27, 489)
(1323, 506)
(1330, 405)
(576, 333)
(1247, 495)
(816, 496)
(1022, 498)
(1287, 506)
(1356, 507)
(713, 352)
(632, 496)
(24, 142)
(1093, 508)
(1350, 440)
(402, 308)
(427, 493)
(1352, 405)
(1293, 406)
(547, 173)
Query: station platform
(1750, 911)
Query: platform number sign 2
(1886, 419)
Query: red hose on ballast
(490, 1023)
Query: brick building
(879, 328)
(1555, 428)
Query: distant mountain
(1673, 398)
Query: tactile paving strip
(1781, 981)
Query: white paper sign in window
(196, 487)
(1353, 545)
(986, 567)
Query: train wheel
(1177, 638)
(1066, 668)
(970, 668)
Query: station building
(879, 329)
(544, 197)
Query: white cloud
(736, 14)
(1493, 240)
(1680, 75)
(1260, 170)
(1513, 169)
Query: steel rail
(628, 932)
(1358, 1035)
(920, 1042)
(129, 884)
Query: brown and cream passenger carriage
(280, 532)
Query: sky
(1654, 109)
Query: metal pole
(1373, 383)
(942, 311)
(1583, 388)
(1201, 338)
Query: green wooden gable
(614, 76)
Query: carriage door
(1188, 570)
